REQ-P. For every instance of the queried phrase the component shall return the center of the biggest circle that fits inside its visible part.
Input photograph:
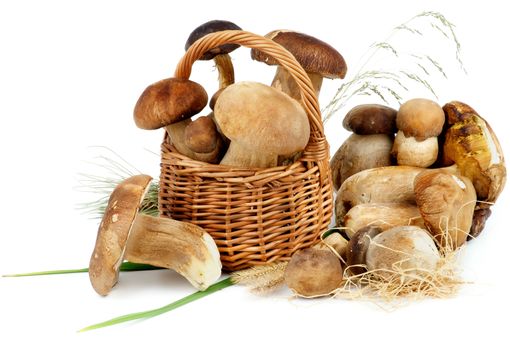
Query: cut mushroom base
(162, 242)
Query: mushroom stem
(284, 82)
(171, 244)
(239, 154)
(225, 68)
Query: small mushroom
(383, 215)
(220, 54)
(204, 141)
(360, 152)
(262, 124)
(369, 119)
(170, 103)
(391, 184)
(419, 122)
(405, 251)
(480, 217)
(313, 272)
(317, 58)
(475, 149)
(333, 241)
(124, 233)
(446, 203)
(357, 248)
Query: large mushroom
(126, 234)
(262, 124)
(419, 122)
(446, 203)
(318, 59)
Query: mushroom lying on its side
(123, 233)
(262, 124)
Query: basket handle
(317, 148)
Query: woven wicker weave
(255, 216)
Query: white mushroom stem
(239, 154)
(284, 82)
(412, 152)
(180, 246)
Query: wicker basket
(255, 216)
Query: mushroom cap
(314, 55)
(446, 203)
(212, 27)
(421, 118)
(169, 101)
(358, 246)
(368, 119)
(471, 143)
(413, 152)
(114, 231)
(262, 119)
(313, 272)
(201, 135)
(360, 152)
(403, 248)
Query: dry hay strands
(262, 279)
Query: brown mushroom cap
(358, 246)
(313, 272)
(446, 203)
(169, 101)
(114, 232)
(261, 123)
(420, 118)
(212, 27)
(201, 135)
(371, 119)
(314, 55)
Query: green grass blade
(155, 312)
(126, 266)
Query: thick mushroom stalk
(179, 246)
(318, 59)
(262, 124)
(123, 233)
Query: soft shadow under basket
(256, 216)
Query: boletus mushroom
(202, 138)
(403, 253)
(318, 59)
(419, 122)
(446, 203)
(360, 152)
(126, 234)
(357, 248)
(262, 124)
(220, 54)
(370, 119)
(170, 103)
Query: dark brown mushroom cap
(169, 101)
(420, 118)
(114, 231)
(314, 55)
(369, 119)
(358, 246)
(212, 27)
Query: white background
(70, 74)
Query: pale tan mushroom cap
(420, 118)
(114, 231)
(262, 118)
